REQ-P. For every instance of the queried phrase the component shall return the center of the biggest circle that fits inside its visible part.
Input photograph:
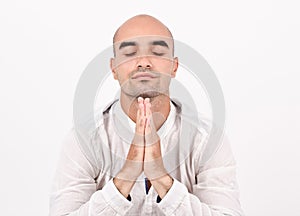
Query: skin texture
(144, 65)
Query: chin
(150, 94)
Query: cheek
(128, 65)
(164, 65)
(125, 62)
(124, 70)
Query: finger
(151, 136)
(140, 119)
(148, 126)
(147, 107)
(147, 100)
(140, 124)
(140, 99)
(148, 116)
(141, 102)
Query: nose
(144, 63)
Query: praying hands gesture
(144, 155)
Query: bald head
(141, 25)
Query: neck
(160, 108)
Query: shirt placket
(149, 201)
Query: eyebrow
(125, 44)
(160, 43)
(154, 43)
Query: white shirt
(83, 182)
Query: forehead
(149, 40)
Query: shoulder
(90, 133)
(204, 136)
(192, 120)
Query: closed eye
(158, 54)
(130, 54)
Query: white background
(252, 46)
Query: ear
(113, 69)
(175, 67)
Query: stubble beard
(145, 89)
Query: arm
(133, 166)
(214, 194)
(75, 191)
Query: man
(146, 169)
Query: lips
(141, 75)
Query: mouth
(144, 75)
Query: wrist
(123, 186)
(162, 185)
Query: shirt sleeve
(74, 190)
(214, 194)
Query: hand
(144, 155)
(133, 166)
(153, 163)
